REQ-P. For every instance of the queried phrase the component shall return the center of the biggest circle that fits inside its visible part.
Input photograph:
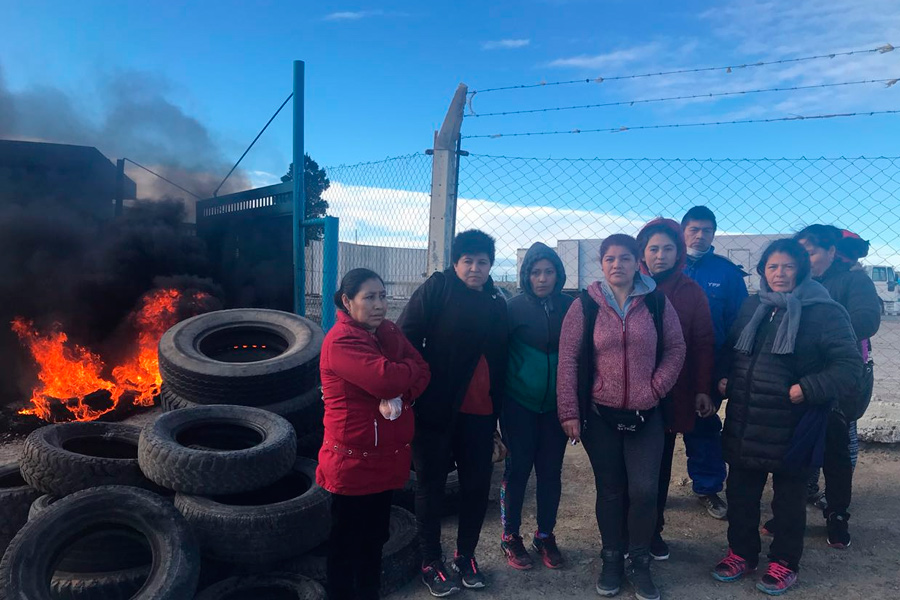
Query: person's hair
(792, 248)
(350, 284)
(472, 241)
(849, 246)
(643, 238)
(699, 213)
(620, 239)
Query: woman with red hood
(663, 255)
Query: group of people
(624, 366)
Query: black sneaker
(659, 549)
(715, 506)
(610, 581)
(516, 555)
(468, 571)
(838, 531)
(638, 574)
(437, 580)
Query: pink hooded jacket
(625, 373)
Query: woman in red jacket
(371, 375)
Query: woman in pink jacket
(611, 378)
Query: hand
(703, 404)
(796, 394)
(572, 429)
(723, 384)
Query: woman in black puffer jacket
(794, 356)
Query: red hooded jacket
(363, 452)
(692, 307)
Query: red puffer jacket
(362, 452)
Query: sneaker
(437, 580)
(768, 528)
(516, 555)
(777, 580)
(732, 568)
(468, 571)
(659, 549)
(821, 502)
(610, 581)
(549, 551)
(715, 506)
(638, 574)
(838, 531)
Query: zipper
(547, 383)
(625, 362)
(375, 421)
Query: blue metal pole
(299, 193)
(330, 271)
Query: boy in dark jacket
(529, 420)
(457, 320)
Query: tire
(309, 444)
(31, 555)
(115, 585)
(217, 449)
(401, 557)
(65, 458)
(197, 361)
(275, 523)
(104, 550)
(16, 497)
(406, 498)
(274, 585)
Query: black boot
(610, 581)
(639, 576)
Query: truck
(885, 279)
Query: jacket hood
(539, 251)
(678, 234)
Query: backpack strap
(589, 309)
(656, 304)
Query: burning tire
(106, 550)
(274, 523)
(68, 457)
(217, 449)
(16, 497)
(174, 566)
(241, 356)
(401, 557)
(275, 585)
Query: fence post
(299, 213)
(445, 184)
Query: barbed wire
(888, 81)
(727, 68)
(680, 125)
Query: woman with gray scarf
(794, 355)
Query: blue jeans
(705, 464)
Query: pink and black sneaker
(778, 579)
(550, 554)
(514, 549)
(732, 568)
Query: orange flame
(67, 373)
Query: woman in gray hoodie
(529, 420)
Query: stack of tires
(247, 357)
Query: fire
(68, 373)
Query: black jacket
(855, 291)
(452, 327)
(759, 418)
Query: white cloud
(505, 44)
(262, 178)
(351, 15)
(617, 58)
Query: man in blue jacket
(723, 282)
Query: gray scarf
(806, 293)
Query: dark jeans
(360, 525)
(665, 476)
(469, 440)
(744, 491)
(705, 464)
(534, 440)
(837, 466)
(626, 474)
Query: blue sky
(381, 74)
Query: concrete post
(445, 184)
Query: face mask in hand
(391, 409)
